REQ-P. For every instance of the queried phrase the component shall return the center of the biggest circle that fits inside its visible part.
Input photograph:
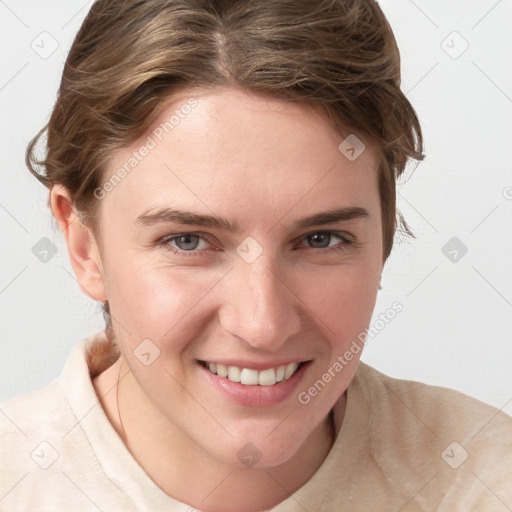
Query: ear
(82, 246)
(381, 270)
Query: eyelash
(345, 243)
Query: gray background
(455, 328)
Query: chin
(260, 451)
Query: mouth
(251, 377)
(247, 386)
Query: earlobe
(82, 246)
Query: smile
(251, 377)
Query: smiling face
(216, 253)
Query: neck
(184, 471)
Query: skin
(264, 164)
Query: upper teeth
(251, 377)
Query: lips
(251, 376)
(251, 392)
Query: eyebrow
(175, 216)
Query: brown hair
(337, 56)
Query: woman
(224, 174)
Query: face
(216, 257)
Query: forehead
(227, 149)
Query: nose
(259, 305)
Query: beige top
(403, 446)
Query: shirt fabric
(403, 446)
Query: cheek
(342, 300)
(343, 307)
(165, 304)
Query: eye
(323, 240)
(187, 244)
(191, 244)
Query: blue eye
(189, 244)
(322, 237)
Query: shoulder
(438, 409)
(461, 446)
(44, 443)
(32, 427)
(34, 411)
(55, 405)
(41, 415)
